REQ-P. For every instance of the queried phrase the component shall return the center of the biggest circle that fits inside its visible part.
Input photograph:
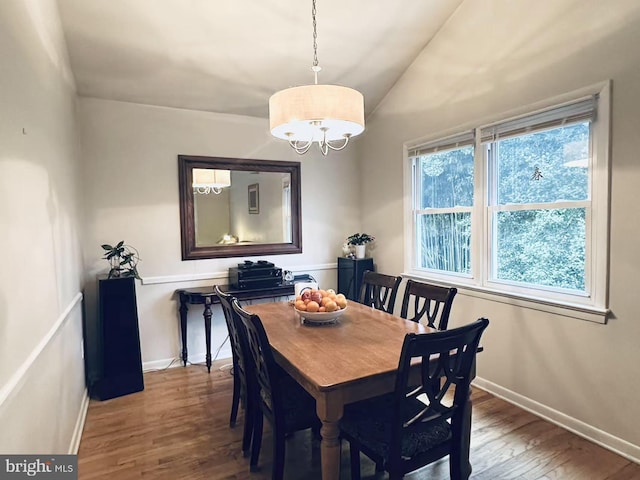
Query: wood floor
(178, 428)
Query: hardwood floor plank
(178, 428)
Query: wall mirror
(236, 207)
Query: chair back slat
(379, 290)
(431, 302)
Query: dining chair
(415, 426)
(379, 290)
(279, 398)
(242, 387)
(432, 301)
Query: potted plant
(123, 260)
(360, 241)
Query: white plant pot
(361, 251)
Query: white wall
(494, 56)
(210, 206)
(130, 153)
(266, 225)
(42, 392)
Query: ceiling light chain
(325, 114)
(315, 34)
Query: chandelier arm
(323, 144)
(300, 149)
(346, 140)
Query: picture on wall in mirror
(254, 198)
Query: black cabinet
(350, 272)
(119, 359)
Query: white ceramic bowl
(321, 317)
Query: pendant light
(328, 115)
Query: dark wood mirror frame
(186, 164)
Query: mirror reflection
(238, 207)
(252, 207)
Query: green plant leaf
(120, 244)
(106, 246)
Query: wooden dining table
(338, 363)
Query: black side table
(350, 272)
(206, 296)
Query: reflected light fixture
(206, 180)
(326, 114)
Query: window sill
(581, 312)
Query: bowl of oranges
(320, 306)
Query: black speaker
(119, 358)
(350, 271)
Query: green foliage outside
(540, 244)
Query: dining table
(354, 358)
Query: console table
(208, 297)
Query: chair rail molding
(190, 277)
(17, 377)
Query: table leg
(207, 330)
(329, 408)
(183, 327)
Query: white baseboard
(616, 445)
(177, 362)
(162, 364)
(77, 431)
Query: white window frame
(594, 305)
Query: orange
(312, 306)
(331, 306)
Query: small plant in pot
(360, 241)
(123, 260)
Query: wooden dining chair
(432, 301)
(279, 398)
(242, 387)
(379, 290)
(415, 426)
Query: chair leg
(256, 443)
(278, 455)
(355, 461)
(459, 465)
(235, 401)
(247, 435)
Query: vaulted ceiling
(230, 56)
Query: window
(444, 201)
(518, 207)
